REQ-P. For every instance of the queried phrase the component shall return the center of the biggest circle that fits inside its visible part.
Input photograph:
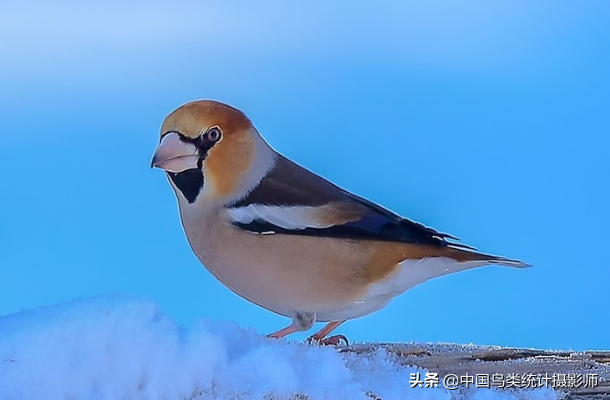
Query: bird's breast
(282, 273)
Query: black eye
(214, 134)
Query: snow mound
(119, 348)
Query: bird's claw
(335, 340)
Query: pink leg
(282, 332)
(320, 336)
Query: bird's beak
(174, 155)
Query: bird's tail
(443, 261)
(508, 262)
(467, 254)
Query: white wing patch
(295, 217)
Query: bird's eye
(214, 134)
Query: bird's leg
(283, 332)
(320, 336)
(301, 321)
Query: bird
(286, 239)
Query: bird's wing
(293, 200)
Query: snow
(122, 348)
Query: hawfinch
(286, 239)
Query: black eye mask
(189, 182)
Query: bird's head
(211, 151)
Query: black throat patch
(189, 182)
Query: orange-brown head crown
(195, 117)
(213, 144)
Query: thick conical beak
(174, 155)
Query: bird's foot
(282, 332)
(273, 336)
(335, 340)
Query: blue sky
(488, 120)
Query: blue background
(488, 120)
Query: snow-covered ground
(119, 348)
